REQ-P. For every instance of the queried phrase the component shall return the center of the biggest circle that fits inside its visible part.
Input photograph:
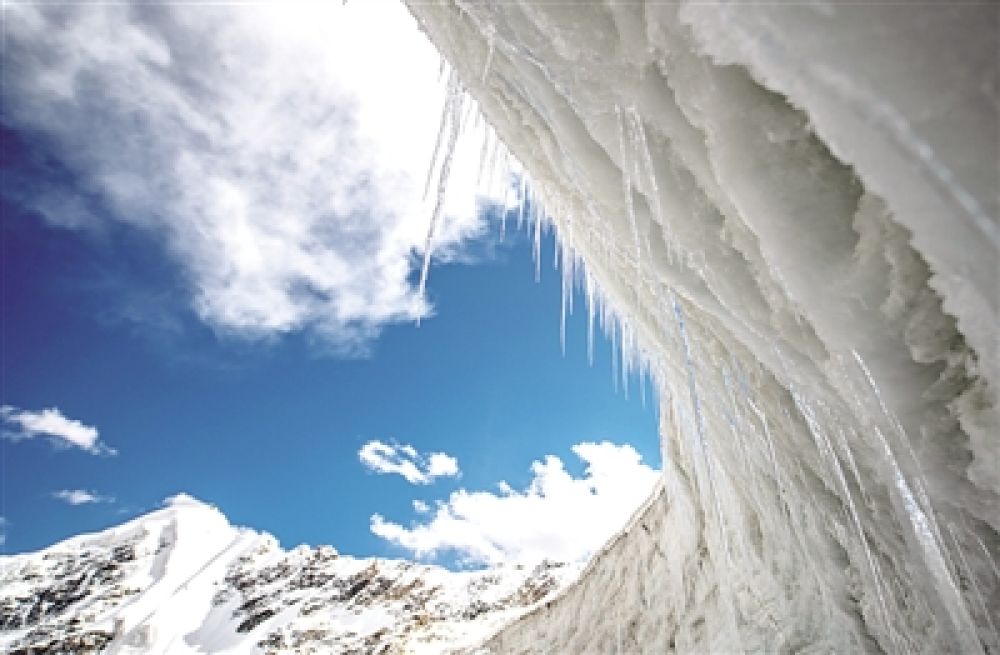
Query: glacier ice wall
(791, 210)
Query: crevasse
(790, 211)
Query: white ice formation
(183, 580)
(789, 213)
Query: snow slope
(787, 213)
(183, 580)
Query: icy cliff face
(789, 214)
(183, 580)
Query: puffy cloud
(50, 423)
(557, 516)
(441, 465)
(278, 152)
(404, 460)
(81, 497)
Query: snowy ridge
(789, 214)
(183, 580)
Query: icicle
(702, 452)
(931, 549)
(483, 150)
(470, 110)
(986, 552)
(491, 44)
(537, 249)
(971, 577)
(506, 169)
(641, 146)
(452, 113)
(623, 358)
(566, 300)
(698, 417)
(627, 190)
(562, 314)
(591, 310)
(493, 156)
(523, 198)
(571, 260)
(614, 354)
(918, 487)
(503, 212)
(826, 450)
(643, 372)
(556, 249)
(446, 115)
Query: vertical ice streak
(641, 147)
(536, 250)
(442, 126)
(627, 190)
(588, 282)
(827, 452)
(495, 152)
(566, 286)
(483, 153)
(932, 550)
(969, 575)
(490, 46)
(610, 330)
(453, 116)
(725, 573)
(522, 198)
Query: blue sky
(241, 331)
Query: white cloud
(421, 507)
(81, 497)
(406, 461)
(441, 465)
(277, 150)
(557, 516)
(51, 423)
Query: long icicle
(453, 111)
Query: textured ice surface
(791, 212)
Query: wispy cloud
(557, 516)
(278, 153)
(404, 460)
(81, 497)
(51, 424)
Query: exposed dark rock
(255, 620)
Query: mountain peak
(183, 581)
(184, 500)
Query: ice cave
(786, 213)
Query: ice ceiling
(788, 215)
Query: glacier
(785, 214)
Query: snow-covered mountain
(183, 580)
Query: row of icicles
(945, 562)
(498, 168)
